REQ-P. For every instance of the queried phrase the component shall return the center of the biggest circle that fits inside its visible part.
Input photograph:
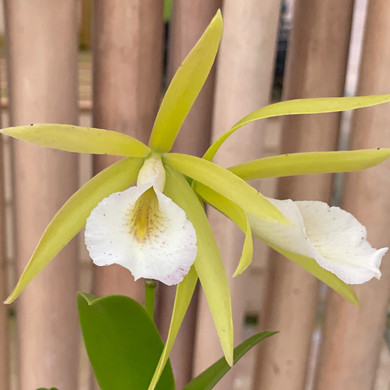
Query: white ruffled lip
(167, 251)
(334, 238)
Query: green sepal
(237, 215)
(122, 342)
(208, 263)
(79, 139)
(184, 293)
(330, 279)
(310, 163)
(185, 87)
(299, 106)
(73, 215)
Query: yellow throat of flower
(145, 216)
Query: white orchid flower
(143, 230)
(334, 238)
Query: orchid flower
(158, 228)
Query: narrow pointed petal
(73, 215)
(227, 184)
(184, 293)
(300, 106)
(331, 236)
(185, 87)
(237, 215)
(142, 230)
(310, 163)
(208, 263)
(79, 139)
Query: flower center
(145, 216)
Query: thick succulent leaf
(184, 292)
(300, 106)
(73, 215)
(310, 163)
(122, 342)
(237, 215)
(79, 139)
(330, 279)
(211, 376)
(208, 263)
(185, 87)
(226, 184)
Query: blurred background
(106, 64)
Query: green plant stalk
(150, 293)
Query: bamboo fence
(324, 342)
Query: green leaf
(210, 377)
(73, 215)
(227, 184)
(299, 106)
(310, 163)
(184, 293)
(79, 139)
(237, 215)
(45, 388)
(185, 87)
(208, 263)
(122, 342)
(309, 264)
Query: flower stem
(150, 292)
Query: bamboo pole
(42, 50)
(243, 82)
(189, 20)
(127, 55)
(4, 341)
(353, 336)
(316, 64)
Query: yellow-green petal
(185, 87)
(73, 215)
(237, 215)
(310, 163)
(300, 106)
(208, 263)
(79, 139)
(310, 265)
(184, 292)
(226, 184)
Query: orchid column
(354, 336)
(127, 63)
(42, 49)
(316, 64)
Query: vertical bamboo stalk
(42, 49)
(4, 342)
(127, 78)
(316, 64)
(353, 336)
(243, 82)
(189, 19)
